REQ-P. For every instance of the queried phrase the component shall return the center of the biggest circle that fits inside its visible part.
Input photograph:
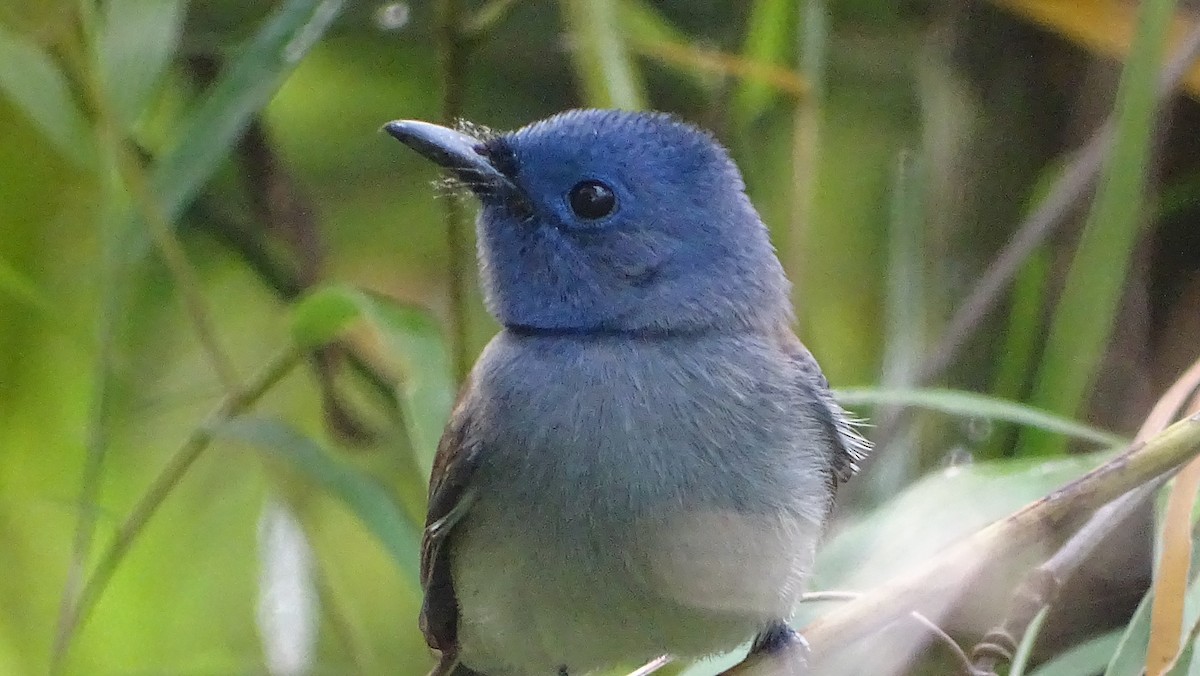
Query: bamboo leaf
(1087, 308)
(768, 40)
(32, 81)
(600, 55)
(135, 46)
(209, 133)
(903, 533)
(1089, 657)
(1171, 576)
(652, 35)
(411, 337)
(379, 514)
(972, 405)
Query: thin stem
(651, 666)
(177, 263)
(806, 139)
(933, 628)
(160, 488)
(452, 61)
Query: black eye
(592, 200)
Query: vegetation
(234, 315)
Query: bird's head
(610, 221)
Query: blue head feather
(682, 250)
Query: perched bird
(643, 458)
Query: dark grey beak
(460, 153)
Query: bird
(643, 459)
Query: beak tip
(397, 129)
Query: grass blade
(209, 133)
(963, 404)
(1086, 311)
(411, 337)
(768, 41)
(1089, 657)
(135, 46)
(368, 501)
(35, 85)
(1020, 660)
(1171, 576)
(601, 58)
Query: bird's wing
(850, 446)
(450, 496)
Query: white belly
(689, 586)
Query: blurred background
(233, 313)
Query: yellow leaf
(1102, 26)
(1170, 584)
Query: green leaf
(1089, 657)
(973, 405)
(379, 514)
(605, 69)
(1020, 659)
(31, 80)
(768, 40)
(322, 315)
(135, 46)
(1087, 309)
(15, 285)
(210, 132)
(935, 512)
(644, 22)
(1130, 656)
(411, 337)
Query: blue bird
(643, 458)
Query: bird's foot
(778, 651)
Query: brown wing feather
(449, 496)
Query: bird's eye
(592, 200)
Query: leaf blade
(135, 46)
(971, 404)
(377, 512)
(33, 82)
(1086, 312)
(412, 338)
(601, 59)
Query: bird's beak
(460, 153)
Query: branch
(938, 586)
(1041, 585)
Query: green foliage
(33, 82)
(409, 335)
(125, 480)
(769, 39)
(1095, 283)
(601, 55)
(968, 405)
(136, 43)
(368, 501)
